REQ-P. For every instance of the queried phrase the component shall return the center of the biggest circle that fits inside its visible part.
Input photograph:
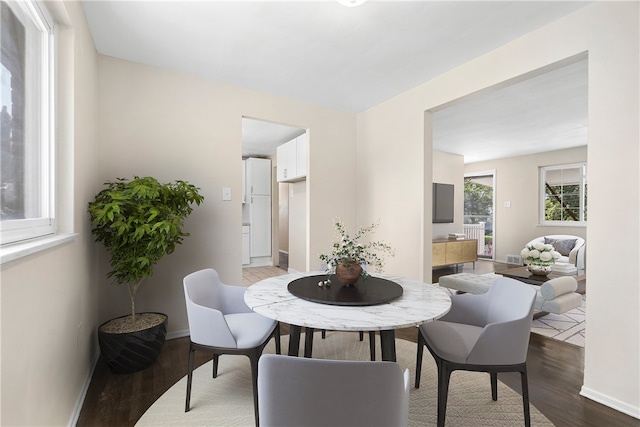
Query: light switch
(507, 204)
(226, 194)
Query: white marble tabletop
(419, 303)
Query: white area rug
(227, 400)
(567, 327)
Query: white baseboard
(618, 405)
(83, 392)
(264, 261)
(178, 334)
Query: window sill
(19, 250)
(564, 224)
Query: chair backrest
(296, 391)
(509, 312)
(510, 300)
(204, 288)
(203, 294)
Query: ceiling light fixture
(351, 3)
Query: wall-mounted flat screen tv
(442, 203)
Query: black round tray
(369, 291)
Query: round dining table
(419, 303)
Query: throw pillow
(563, 246)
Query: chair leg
(276, 333)
(324, 333)
(361, 335)
(215, 365)
(372, 345)
(189, 380)
(525, 396)
(494, 385)
(421, 344)
(253, 358)
(444, 375)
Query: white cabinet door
(281, 159)
(259, 176)
(292, 160)
(260, 214)
(286, 154)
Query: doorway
(479, 208)
(260, 140)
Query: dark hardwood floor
(555, 378)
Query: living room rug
(568, 327)
(228, 401)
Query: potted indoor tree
(138, 221)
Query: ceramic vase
(539, 270)
(348, 272)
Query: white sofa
(577, 253)
(557, 295)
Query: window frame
(582, 221)
(40, 73)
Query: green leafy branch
(138, 222)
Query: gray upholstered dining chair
(221, 323)
(296, 391)
(482, 332)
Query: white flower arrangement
(540, 254)
(350, 248)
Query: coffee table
(524, 275)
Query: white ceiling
(260, 138)
(353, 58)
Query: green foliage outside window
(478, 202)
(565, 193)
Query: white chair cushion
(249, 329)
(451, 341)
(467, 282)
(561, 304)
(558, 286)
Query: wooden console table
(453, 252)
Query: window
(479, 208)
(564, 194)
(26, 74)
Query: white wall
(298, 229)
(449, 169)
(394, 159)
(174, 126)
(392, 168)
(517, 181)
(49, 300)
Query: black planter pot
(130, 352)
